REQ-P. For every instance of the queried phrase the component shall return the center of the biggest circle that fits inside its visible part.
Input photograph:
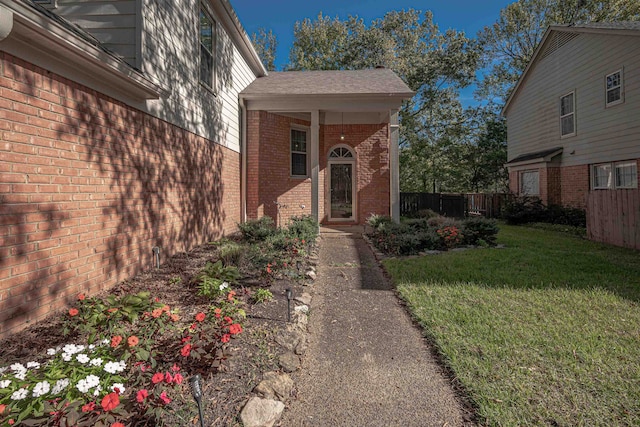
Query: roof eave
(541, 159)
(23, 24)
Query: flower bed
(433, 232)
(122, 359)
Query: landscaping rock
(261, 412)
(291, 338)
(275, 385)
(305, 298)
(311, 275)
(289, 362)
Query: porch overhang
(320, 96)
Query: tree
(266, 44)
(433, 64)
(509, 44)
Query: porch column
(315, 162)
(394, 165)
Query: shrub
(303, 228)
(522, 210)
(215, 279)
(262, 295)
(257, 230)
(231, 254)
(375, 220)
(476, 230)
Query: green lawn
(543, 332)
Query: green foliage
(303, 228)
(214, 280)
(175, 280)
(266, 45)
(257, 230)
(231, 253)
(477, 230)
(375, 220)
(262, 295)
(523, 210)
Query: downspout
(243, 161)
(6, 22)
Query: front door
(341, 187)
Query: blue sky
(280, 15)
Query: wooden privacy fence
(489, 205)
(613, 217)
(451, 205)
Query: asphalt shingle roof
(623, 25)
(536, 155)
(330, 82)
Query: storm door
(342, 184)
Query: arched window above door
(341, 153)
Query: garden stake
(289, 295)
(156, 253)
(194, 381)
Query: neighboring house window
(614, 88)
(207, 43)
(529, 183)
(567, 115)
(298, 152)
(614, 175)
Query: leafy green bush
(303, 228)
(522, 210)
(257, 230)
(479, 229)
(262, 295)
(231, 253)
(215, 279)
(375, 220)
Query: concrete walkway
(367, 364)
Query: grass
(543, 332)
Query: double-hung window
(207, 49)
(299, 153)
(567, 115)
(616, 175)
(613, 84)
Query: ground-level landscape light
(289, 297)
(196, 390)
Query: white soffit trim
(305, 103)
(30, 35)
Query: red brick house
(117, 136)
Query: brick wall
(268, 170)
(89, 185)
(575, 185)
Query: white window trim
(613, 167)
(306, 153)
(573, 97)
(214, 43)
(606, 90)
(520, 182)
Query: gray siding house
(574, 117)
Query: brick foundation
(89, 185)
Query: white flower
(92, 380)
(224, 286)
(16, 367)
(82, 358)
(60, 385)
(96, 362)
(34, 365)
(21, 375)
(5, 383)
(92, 346)
(115, 367)
(70, 349)
(105, 341)
(82, 386)
(118, 386)
(3, 369)
(19, 394)
(51, 352)
(41, 388)
(67, 357)
(97, 391)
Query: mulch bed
(224, 391)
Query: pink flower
(186, 350)
(200, 316)
(110, 401)
(168, 378)
(157, 377)
(226, 338)
(165, 399)
(235, 329)
(175, 367)
(177, 378)
(142, 395)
